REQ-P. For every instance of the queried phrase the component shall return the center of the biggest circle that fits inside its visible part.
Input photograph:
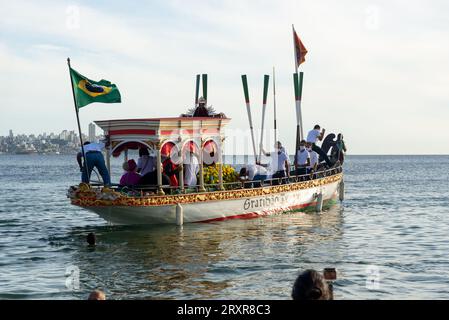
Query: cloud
(374, 71)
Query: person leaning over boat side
(253, 172)
(302, 159)
(191, 169)
(131, 177)
(312, 138)
(338, 150)
(94, 158)
(145, 163)
(311, 285)
(279, 164)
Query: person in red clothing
(170, 169)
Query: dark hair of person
(86, 143)
(340, 136)
(143, 151)
(317, 126)
(311, 285)
(91, 239)
(242, 172)
(303, 141)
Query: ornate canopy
(155, 132)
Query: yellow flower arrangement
(211, 174)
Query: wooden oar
(205, 88)
(197, 89)
(298, 95)
(266, 80)
(248, 109)
(274, 105)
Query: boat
(201, 134)
(204, 136)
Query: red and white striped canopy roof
(160, 129)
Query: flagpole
(301, 76)
(298, 93)
(274, 104)
(266, 80)
(79, 126)
(248, 109)
(297, 83)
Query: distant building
(11, 135)
(64, 135)
(92, 136)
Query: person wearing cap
(130, 177)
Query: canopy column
(220, 166)
(181, 171)
(160, 192)
(201, 174)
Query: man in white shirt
(280, 164)
(302, 159)
(313, 163)
(312, 137)
(253, 172)
(94, 158)
(191, 169)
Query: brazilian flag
(88, 91)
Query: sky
(377, 71)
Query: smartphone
(330, 274)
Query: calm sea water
(388, 240)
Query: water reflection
(203, 261)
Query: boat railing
(172, 190)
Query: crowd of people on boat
(308, 160)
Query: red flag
(300, 50)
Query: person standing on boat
(312, 138)
(302, 159)
(94, 158)
(191, 169)
(280, 164)
(313, 158)
(201, 110)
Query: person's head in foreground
(311, 285)
(97, 295)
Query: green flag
(88, 91)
